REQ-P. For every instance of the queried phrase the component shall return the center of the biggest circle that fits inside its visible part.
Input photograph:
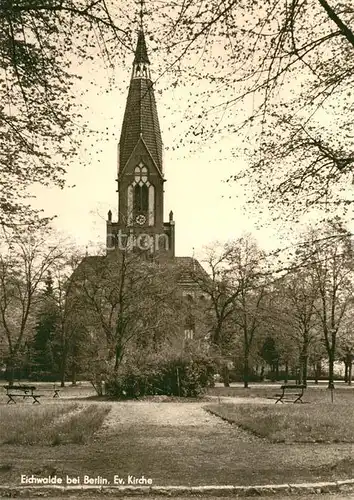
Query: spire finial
(141, 15)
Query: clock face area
(140, 219)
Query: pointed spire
(141, 51)
(141, 64)
(140, 118)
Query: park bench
(21, 391)
(291, 393)
(55, 389)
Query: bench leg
(35, 400)
(299, 399)
(10, 400)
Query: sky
(206, 208)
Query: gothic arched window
(141, 198)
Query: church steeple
(140, 117)
(140, 167)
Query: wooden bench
(33, 396)
(56, 392)
(21, 391)
(290, 393)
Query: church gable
(141, 153)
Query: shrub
(186, 376)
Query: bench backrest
(20, 387)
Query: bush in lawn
(133, 380)
(186, 376)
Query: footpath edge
(173, 491)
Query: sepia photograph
(177, 249)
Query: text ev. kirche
(88, 480)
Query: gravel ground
(167, 415)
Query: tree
(220, 293)
(270, 354)
(40, 125)
(24, 263)
(291, 63)
(331, 264)
(70, 335)
(236, 289)
(43, 351)
(297, 296)
(129, 304)
(246, 271)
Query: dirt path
(177, 415)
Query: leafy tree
(290, 63)
(330, 263)
(43, 345)
(40, 126)
(236, 289)
(246, 261)
(129, 304)
(219, 308)
(297, 297)
(270, 354)
(24, 264)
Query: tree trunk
(350, 372)
(118, 357)
(226, 375)
(62, 370)
(246, 371)
(346, 370)
(73, 373)
(286, 378)
(304, 369)
(331, 371)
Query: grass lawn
(174, 443)
(293, 423)
(51, 424)
(313, 393)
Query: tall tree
(246, 263)
(297, 297)
(220, 307)
(127, 301)
(331, 265)
(24, 263)
(40, 126)
(43, 353)
(290, 63)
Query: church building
(140, 227)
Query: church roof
(188, 269)
(140, 117)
